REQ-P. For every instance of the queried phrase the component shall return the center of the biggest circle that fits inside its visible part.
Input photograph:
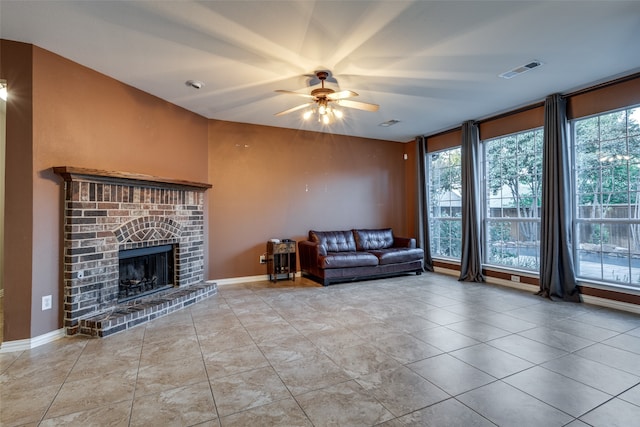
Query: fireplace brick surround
(107, 212)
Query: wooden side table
(281, 260)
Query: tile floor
(409, 351)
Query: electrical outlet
(46, 302)
(515, 278)
(263, 259)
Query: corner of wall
(16, 67)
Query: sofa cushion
(398, 255)
(347, 259)
(367, 240)
(334, 241)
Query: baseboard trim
(610, 303)
(447, 271)
(516, 285)
(30, 343)
(587, 299)
(235, 280)
(245, 279)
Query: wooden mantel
(71, 173)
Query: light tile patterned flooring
(407, 351)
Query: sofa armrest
(404, 242)
(309, 252)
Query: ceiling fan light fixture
(323, 99)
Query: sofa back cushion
(334, 241)
(367, 240)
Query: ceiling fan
(324, 99)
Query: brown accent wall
(67, 114)
(16, 69)
(279, 183)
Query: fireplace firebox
(145, 271)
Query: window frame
(530, 251)
(450, 220)
(602, 223)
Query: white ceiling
(429, 64)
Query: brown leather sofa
(339, 256)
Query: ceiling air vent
(389, 123)
(521, 69)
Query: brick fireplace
(107, 214)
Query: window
(513, 190)
(606, 151)
(445, 215)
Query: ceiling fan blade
(359, 105)
(289, 92)
(291, 110)
(341, 95)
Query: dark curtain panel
(557, 275)
(471, 261)
(422, 208)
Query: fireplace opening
(145, 271)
